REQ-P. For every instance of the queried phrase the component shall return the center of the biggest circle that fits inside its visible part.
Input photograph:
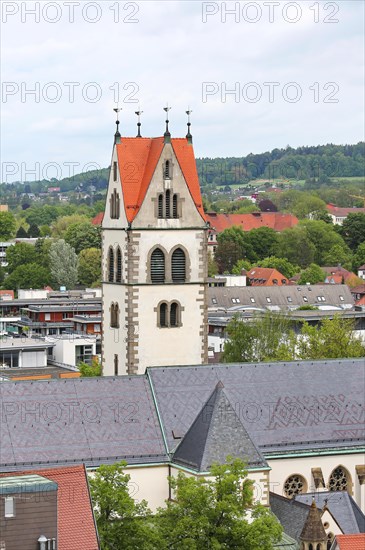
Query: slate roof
(292, 514)
(285, 407)
(90, 420)
(216, 433)
(286, 543)
(341, 505)
(75, 519)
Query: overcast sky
(296, 70)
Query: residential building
(154, 259)
(338, 275)
(51, 505)
(3, 248)
(358, 293)
(361, 272)
(339, 214)
(266, 276)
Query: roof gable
(216, 433)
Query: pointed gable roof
(313, 530)
(137, 161)
(216, 433)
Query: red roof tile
(265, 276)
(98, 219)
(275, 220)
(9, 294)
(343, 212)
(76, 528)
(351, 542)
(137, 161)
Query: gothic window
(174, 206)
(295, 485)
(157, 266)
(167, 203)
(114, 171)
(163, 315)
(115, 205)
(310, 546)
(160, 206)
(330, 538)
(178, 266)
(174, 314)
(111, 265)
(119, 266)
(166, 170)
(339, 479)
(114, 315)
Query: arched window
(339, 479)
(116, 364)
(319, 546)
(330, 538)
(310, 547)
(119, 266)
(115, 171)
(295, 485)
(166, 171)
(160, 206)
(157, 266)
(114, 205)
(111, 265)
(178, 266)
(174, 206)
(114, 315)
(163, 315)
(167, 204)
(174, 314)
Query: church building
(154, 261)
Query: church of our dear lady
(297, 425)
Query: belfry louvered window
(111, 265)
(119, 266)
(163, 315)
(114, 205)
(167, 204)
(157, 266)
(160, 206)
(166, 171)
(174, 206)
(178, 266)
(174, 314)
(114, 171)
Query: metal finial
(167, 134)
(138, 113)
(117, 135)
(189, 137)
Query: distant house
(338, 275)
(339, 214)
(361, 272)
(50, 506)
(358, 293)
(6, 295)
(266, 276)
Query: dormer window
(167, 170)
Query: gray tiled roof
(90, 420)
(291, 514)
(342, 507)
(284, 407)
(216, 433)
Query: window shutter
(157, 266)
(168, 206)
(178, 266)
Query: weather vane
(167, 109)
(138, 113)
(117, 135)
(188, 135)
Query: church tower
(154, 259)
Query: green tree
(7, 226)
(20, 254)
(89, 269)
(33, 230)
(241, 264)
(295, 245)
(60, 226)
(213, 513)
(266, 338)
(313, 274)
(333, 339)
(309, 205)
(123, 524)
(83, 235)
(281, 264)
(233, 245)
(359, 256)
(63, 264)
(21, 233)
(212, 266)
(353, 230)
(323, 237)
(263, 241)
(338, 255)
(87, 371)
(30, 275)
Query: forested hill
(320, 162)
(317, 162)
